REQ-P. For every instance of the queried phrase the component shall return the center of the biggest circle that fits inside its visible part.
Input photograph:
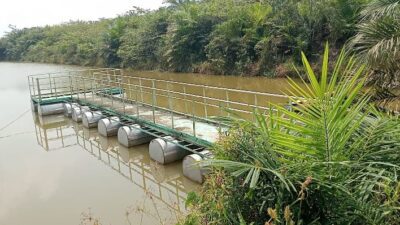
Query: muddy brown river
(54, 171)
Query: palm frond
(332, 111)
(379, 8)
(378, 41)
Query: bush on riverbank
(215, 36)
(333, 161)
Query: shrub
(333, 160)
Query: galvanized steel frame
(106, 82)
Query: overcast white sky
(29, 13)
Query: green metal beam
(51, 100)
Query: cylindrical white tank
(166, 150)
(91, 119)
(68, 108)
(193, 168)
(109, 126)
(51, 109)
(129, 136)
(77, 113)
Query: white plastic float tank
(108, 127)
(166, 150)
(129, 136)
(193, 168)
(91, 119)
(77, 113)
(50, 109)
(68, 108)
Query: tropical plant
(187, 36)
(112, 41)
(333, 160)
(143, 40)
(378, 41)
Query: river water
(54, 171)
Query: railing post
(102, 84)
(93, 86)
(141, 89)
(227, 102)
(55, 85)
(110, 88)
(39, 92)
(154, 100)
(121, 93)
(184, 96)
(255, 107)
(220, 115)
(136, 101)
(78, 88)
(33, 86)
(30, 88)
(193, 118)
(51, 88)
(170, 106)
(84, 87)
(70, 84)
(205, 102)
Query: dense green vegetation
(211, 36)
(334, 160)
(378, 41)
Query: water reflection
(165, 184)
(53, 133)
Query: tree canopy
(210, 36)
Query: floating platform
(178, 120)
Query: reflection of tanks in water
(83, 132)
(51, 121)
(133, 163)
(163, 173)
(106, 144)
(53, 132)
(138, 153)
(165, 183)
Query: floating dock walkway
(179, 120)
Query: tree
(378, 42)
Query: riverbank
(213, 37)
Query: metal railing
(127, 95)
